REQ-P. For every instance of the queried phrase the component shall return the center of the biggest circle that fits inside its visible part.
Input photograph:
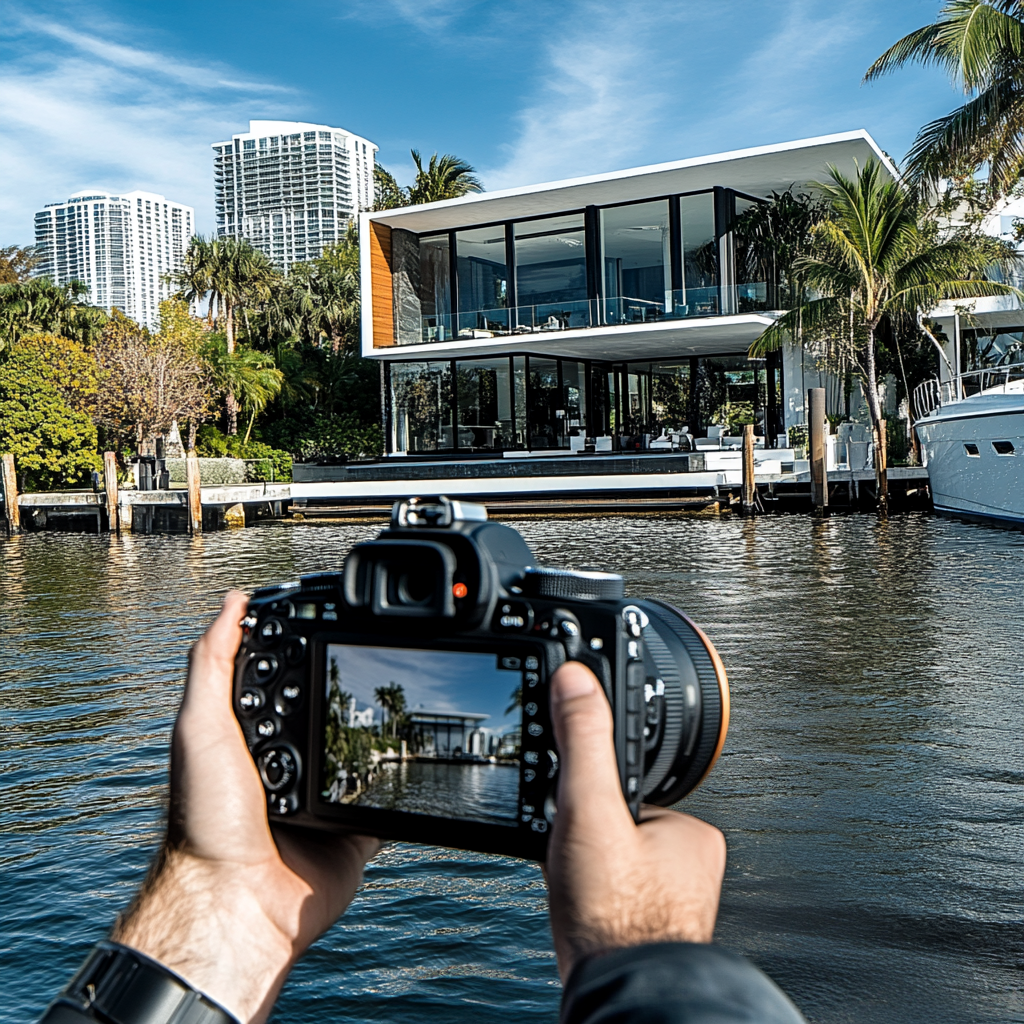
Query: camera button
(251, 700)
(535, 729)
(288, 700)
(530, 709)
(510, 663)
(539, 825)
(531, 757)
(266, 728)
(264, 667)
(296, 650)
(531, 678)
(271, 631)
(529, 775)
(531, 664)
(632, 753)
(284, 804)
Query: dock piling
(110, 484)
(749, 486)
(195, 504)
(816, 441)
(10, 483)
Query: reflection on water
(475, 792)
(870, 787)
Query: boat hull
(967, 473)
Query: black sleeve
(673, 983)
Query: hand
(228, 905)
(614, 883)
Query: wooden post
(881, 469)
(749, 486)
(195, 504)
(110, 482)
(11, 510)
(816, 443)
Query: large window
(699, 295)
(636, 262)
(421, 407)
(753, 262)
(998, 346)
(483, 282)
(435, 288)
(484, 404)
(546, 410)
(551, 273)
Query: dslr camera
(406, 696)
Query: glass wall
(421, 407)
(670, 396)
(436, 288)
(699, 296)
(519, 400)
(636, 262)
(545, 408)
(484, 404)
(551, 273)
(574, 398)
(482, 283)
(753, 262)
(998, 346)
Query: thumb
(588, 785)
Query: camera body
(452, 607)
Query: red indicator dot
(460, 590)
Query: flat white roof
(757, 171)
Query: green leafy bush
(273, 463)
(46, 387)
(342, 436)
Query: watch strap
(119, 985)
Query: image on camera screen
(424, 732)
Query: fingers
(588, 777)
(211, 662)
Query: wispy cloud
(604, 87)
(92, 113)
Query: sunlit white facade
(291, 187)
(124, 247)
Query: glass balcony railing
(568, 316)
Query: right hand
(614, 883)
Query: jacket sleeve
(673, 983)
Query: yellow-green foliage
(48, 387)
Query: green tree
(391, 699)
(445, 177)
(17, 263)
(876, 257)
(38, 306)
(387, 193)
(246, 373)
(980, 44)
(47, 390)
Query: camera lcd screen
(424, 732)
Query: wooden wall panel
(381, 287)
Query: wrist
(205, 921)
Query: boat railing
(932, 394)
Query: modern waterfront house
(601, 312)
(123, 247)
(291, 187)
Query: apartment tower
(123, 247)
(290, 187)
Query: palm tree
(325, 294)
(445, 177)
(387, 193)
(195, 279)
(247, 375)
(875, 259)
(391, 699)
(40, 306)
(980, 44)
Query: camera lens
(687, 704)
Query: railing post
(10, 484)
(110, 485)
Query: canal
(870, 789)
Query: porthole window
(1003, 447)
(972, 451)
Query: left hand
(229, 905)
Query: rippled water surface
(871, 787)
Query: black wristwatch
(118, 985)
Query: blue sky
(432, 680)
(130, 95)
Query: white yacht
(971, 430)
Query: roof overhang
(756, 171)
(719, 335)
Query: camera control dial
(278, 769)
(569, 585)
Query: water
(870, 788)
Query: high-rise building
(291, 188)
(124, 247)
